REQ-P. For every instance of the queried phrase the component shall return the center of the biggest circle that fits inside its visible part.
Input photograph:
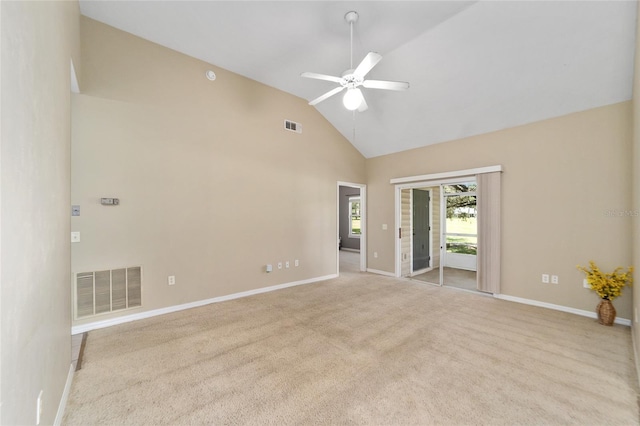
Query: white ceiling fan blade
(387, 85)
(326, 95)
(321, 77)
(363, 106)
(367, 63)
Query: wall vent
(101, 292)
(292, 126)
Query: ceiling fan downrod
(351, 17)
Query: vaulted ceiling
(473, 67)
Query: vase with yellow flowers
(608, 286)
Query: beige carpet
(361, 349)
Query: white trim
(447, 175)
(75, 87)
(379, 272)
(65, 397)
(148, 314)
(435, 183)
(590, 314)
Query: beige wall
(38, 39)
(636, 191)
(561, 178)
(211, 186)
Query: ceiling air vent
(292, 126)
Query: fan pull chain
(354, 127)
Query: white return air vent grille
(292, 126)
(102, 292)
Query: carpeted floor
(360, 349)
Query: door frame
(398, 213)
(363, 223)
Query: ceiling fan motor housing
(350, 80)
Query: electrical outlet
(375, 254)
(296, 262)
(585, 284)
(286, 264)
(545, 278)
(172, 280)
(554, 279)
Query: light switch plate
(75, 237)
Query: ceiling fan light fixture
(352, 99)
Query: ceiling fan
(352, 78)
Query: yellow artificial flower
(607, 286)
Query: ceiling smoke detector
(210, 75)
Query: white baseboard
(590, 314)
(148, 314)
(65, 397)
(385, 273)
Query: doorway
(420, 229)
(438, 233)
(351, 228)
(460, 233)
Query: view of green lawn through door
(461, 231)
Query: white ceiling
(474, 67)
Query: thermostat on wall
(109, 201)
